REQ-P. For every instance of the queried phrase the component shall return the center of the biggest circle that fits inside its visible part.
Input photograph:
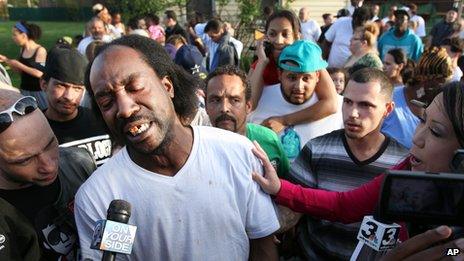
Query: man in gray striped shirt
(346, 158)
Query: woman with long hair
(31, 60)
(394, 63)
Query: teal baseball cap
(304, 56)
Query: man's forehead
(116, 54)
(8, 98)
(225, 84)
(56, 81)
(368, 89)
(25, 134)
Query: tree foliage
(140, 7)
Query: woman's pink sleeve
(346, 207)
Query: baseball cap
(306, 55)
(66, 65)
(190, 59)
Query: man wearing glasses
(37, 178)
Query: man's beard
(224, 117)
(164, 128)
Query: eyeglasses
(22, 107)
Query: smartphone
(422, 198)
(268, 48)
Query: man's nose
(47, 163)
(126, 105)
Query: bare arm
(263, 249)
(18, 66)
(327, 105)
(255, 76)
(287, 219)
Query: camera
(424, 197)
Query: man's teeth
(136, 130)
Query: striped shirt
(327, 162)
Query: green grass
(51, 31)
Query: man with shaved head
(36, 177)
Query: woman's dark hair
(33, 31)
(399, 56)
(290, 16)
(185, 100)
(453, 101)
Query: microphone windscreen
(119, 207)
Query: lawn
(51, 31)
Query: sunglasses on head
(22, 107)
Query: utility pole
(460, 8)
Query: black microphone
(118, 211)
(113, 235)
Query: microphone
(113, 235)
(377, 235)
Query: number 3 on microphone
(369, 230)
(389, 238)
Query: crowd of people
(282, 161)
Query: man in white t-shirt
(97, 31)
(310, 29)
(300, 65)
(340, 33)
(190, 188)
(419, 22)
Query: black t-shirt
(50, 209)
(84, 131)
(18, 239)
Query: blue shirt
(401, 123)
(409, 42)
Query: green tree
(140, 7)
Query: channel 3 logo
(2, 240)
(452, 251)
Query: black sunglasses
(22, 107)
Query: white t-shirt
(272, 103)
(420, 30)
(385, 20)
(82, 47)
(208, 211)
(457, 74)
(311, 30)
(339, 34)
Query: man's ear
(279, 74)
(248, 107)
(168, 86)
(390, 106)
(43, 84)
